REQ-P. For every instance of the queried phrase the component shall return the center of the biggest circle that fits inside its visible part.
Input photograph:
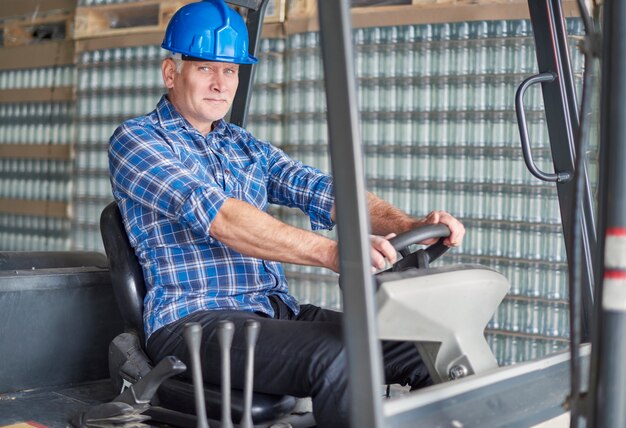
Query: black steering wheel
(420, 258)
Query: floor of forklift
(53, 406)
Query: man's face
(203, 91)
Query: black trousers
(301, 355)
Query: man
(193, 191)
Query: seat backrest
(126, 273)
(129, 289)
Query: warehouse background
(435, 90)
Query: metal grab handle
(523, 129)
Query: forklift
(587, 381)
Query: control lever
(225, 331)
(252, 328)
(143, 391)
(128, 407)
(193, 336)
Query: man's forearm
(385, 218)
(254, 233)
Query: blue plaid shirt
(170, 181)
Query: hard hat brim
(249, 60)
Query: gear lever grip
(193, 336)
(252, 328)
(225, 332)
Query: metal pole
(241, 103)
(359, 327)
(562, 119)
(608, 374)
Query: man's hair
(178, 60)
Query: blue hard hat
(208, 30)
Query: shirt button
(227, 171)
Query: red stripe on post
(616, 231)
(615, 274)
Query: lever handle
(252, 328)
(225, 332)
(143, 391)
(193, 337)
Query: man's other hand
(457, 230)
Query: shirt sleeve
(294, 184)
(144, 168)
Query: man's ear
(168, 70)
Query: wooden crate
(124, 19)
(33, 29)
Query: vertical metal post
(362, 346)
(608, 376)
(562, 119)
(241, 103)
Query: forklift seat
(128, 361)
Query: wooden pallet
(302, 14)
(29, 95)
(124, 18)
(16, 8)
(62, 152)
(275, 11)
(32, 29)
(56, 209)
(54, 53)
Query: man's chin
(216, 113)
(213, 115)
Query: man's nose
(218, 82)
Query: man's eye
(203, 69)
(230, 71)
